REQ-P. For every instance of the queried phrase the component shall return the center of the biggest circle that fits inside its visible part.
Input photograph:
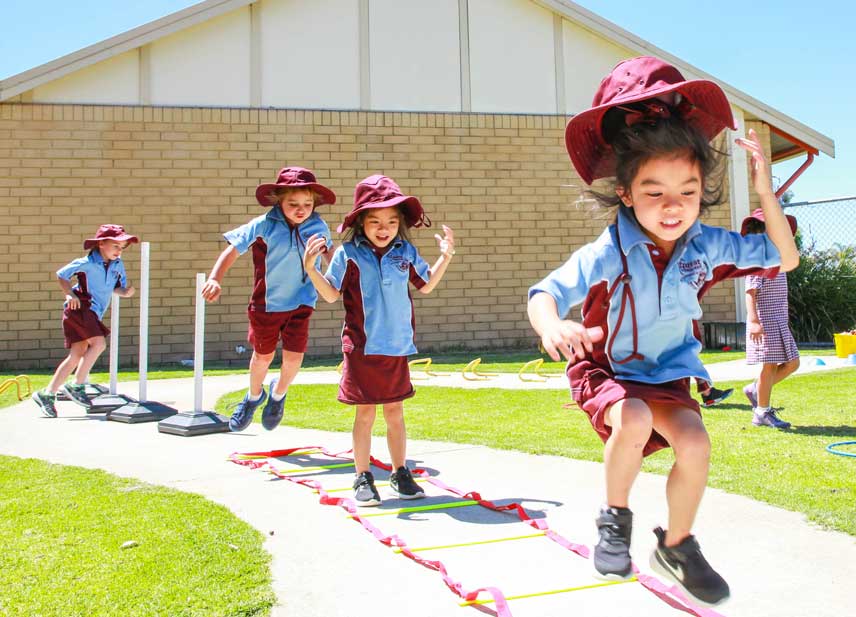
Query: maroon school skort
(374, 380)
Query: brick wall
(180, 177)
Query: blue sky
(796, 57)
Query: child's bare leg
(684, 430)
(291, 362)
(97, 345)
(785, 369)
(75, 354)
(631, 423)
(362, 436)
(766, 379)
(259, 364)
(396, 433)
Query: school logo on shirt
(400, 262)
(692, 272)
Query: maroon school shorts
(596, 390)
(81, 324)
(374, 380)
(292, 327)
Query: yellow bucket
(845, 344)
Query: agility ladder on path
(671, 595)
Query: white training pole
(199, 343)
(114, 344)
(144, 319)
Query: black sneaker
(715, 395)
(46, 403)
(274, 410)
(77, 394)
(242, 417)
(686, 565)
(365, 493)
(401, 483)
(612, 553)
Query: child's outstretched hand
(570, 338)
(127, 292)
(211, 290)
(446, 242)
(317, 245)
(762, 177)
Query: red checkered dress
(771, 303)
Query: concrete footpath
(325, 564)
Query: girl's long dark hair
(635, 145)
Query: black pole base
(135, 412)
(108, 402)
(192, 423)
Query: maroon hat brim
(91, 243)
(263, 192)
(758, 215)
(592, 157)
(413, 212)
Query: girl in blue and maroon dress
(769, 341)
(371, 271)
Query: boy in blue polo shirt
(371, 272)
(283, 297)
(99, 275)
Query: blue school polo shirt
(378, 308)
(96, 280)
(279, 281)
(666, 295)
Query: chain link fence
(827, 223)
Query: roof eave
(108, 48)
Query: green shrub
(822, 293)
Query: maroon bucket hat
(109, 232)
(758, 215)
(379, 191)
(702, 103)
(294, 178)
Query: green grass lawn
(62, 530)
(789, 469)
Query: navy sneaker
(768, 417)
(715, 395)
(243, 414)
(611, 554)
(46, 402)
(402, 484)
(365, 493)
(685, 565)
(274, 410)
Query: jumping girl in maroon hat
(633, 353)
(99, 275)
(372, 272)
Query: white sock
(760, 411)
(278, 397)
(253, 399)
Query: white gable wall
(512, 58)
(115, 81)
(415, 60)
(587, 58)
(208, 64)
(310, 54)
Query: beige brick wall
(180, 177)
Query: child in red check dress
(769, 341)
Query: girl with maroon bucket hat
(99, 275)
(283, 297)
(371, 271)
(769, 341)
(632, 355)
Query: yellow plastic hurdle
(535, 365)
(17, 381)
(427, 368)
(476, 375)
